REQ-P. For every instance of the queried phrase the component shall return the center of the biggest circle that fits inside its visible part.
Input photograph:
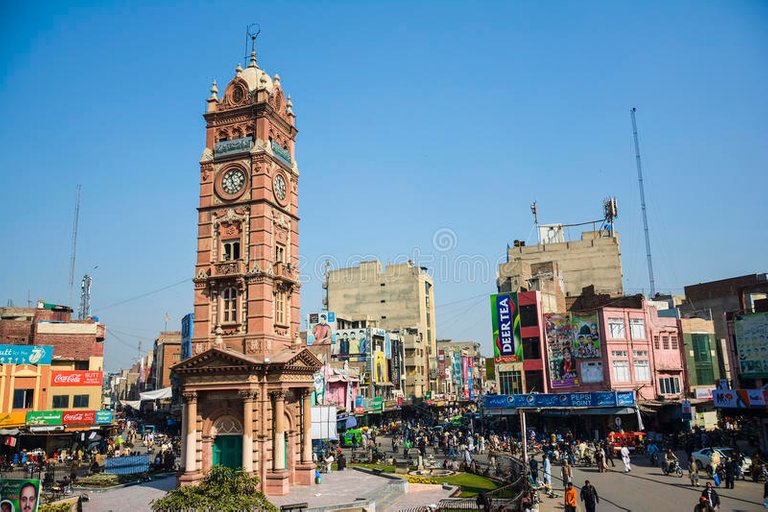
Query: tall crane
(642, 203)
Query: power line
(147, 294)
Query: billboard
(19, 495)
(321, 328)
(465, 377)
(187, 328)
(562, 363)
(752, 345)
(353, 344)
(103, 417)
(26, 354)
(505, 323)
(470, 383)
(379, 367)
(586, 336)
(76, 378)
(740, 398)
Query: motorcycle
(759, 473)
(672, 468)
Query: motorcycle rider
(653, 452)
(670, 461)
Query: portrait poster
(562, 363)
(586, 336)
(321, 328)
(19, 495)
(353, 344)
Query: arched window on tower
(229, 298)
(223, 135)
(280, 308)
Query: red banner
(78, 417)
(76, 378)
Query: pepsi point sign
(561, 400)
(76, 378)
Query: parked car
(704, 458)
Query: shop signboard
(78, 417)
(687, 413)
(740, 398)
(561, 400)
(505, 325)
(76, 378)
(19, 495)
(103, 417)
(12, 419)
(351, 344)
(37, 418)
(703, 393)
(26, 354)
(377, 403)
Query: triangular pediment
(305, 358)
(215, 359)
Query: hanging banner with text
(505, 323)
(562, 400)
(76, 378)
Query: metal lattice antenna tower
(642, 203)
(84, 311)
(74, 246)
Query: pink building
(641, 352)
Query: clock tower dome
(247, 386)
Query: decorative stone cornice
(277, 395)
(189, 396)
(248, 395)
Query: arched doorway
(227, 433)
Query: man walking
(547, 470)
(534, 465)
(730, 471)
(625, 458)
(589, 496)
(570, 498)
(712, 497)
(567, 474)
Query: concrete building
(718, 299)
(70, 374)
(399, 298)
(461, 369)
(247, 387)
(166, 353)
(595, 260)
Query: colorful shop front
(586, 415)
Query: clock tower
(246, 387)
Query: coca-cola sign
(76, 378)
(78, 417)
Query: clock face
(233, 181)
(279, 187)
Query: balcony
(228, 268)
(285, 271)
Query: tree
(221, 489)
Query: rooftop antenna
(84, 311)
(252, 31)
(642, 203)
(74, 246)
(535, 213)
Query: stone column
(306, 427)
(190, 464)
(184, 415)
(248, 396)
(278, 440)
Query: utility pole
(642, 203)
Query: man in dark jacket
(712, 498)
(730, 471)
(589, 496)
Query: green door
(228, 451)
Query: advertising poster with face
(19, 495)
(321, 328)
(752, 345)
(353, 344)
(562, 363)
(586, 338)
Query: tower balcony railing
(284, 270)
(229, 267)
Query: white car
(704, 457)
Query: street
(647, 489)
(132, 497)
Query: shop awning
(158, 394)
(8, 431)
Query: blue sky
(420, 124)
